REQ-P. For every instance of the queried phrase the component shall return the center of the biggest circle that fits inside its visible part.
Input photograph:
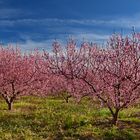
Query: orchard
(110, 74)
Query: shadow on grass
(125, 130)
(123, 124)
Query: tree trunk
(9, 106)
(67, 99)
(115, 117)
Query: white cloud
(30, 45)
(117, 22)
(79, 34)
(91, 36)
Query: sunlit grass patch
(53, 118)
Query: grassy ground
(52, 119)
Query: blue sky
(36, 23)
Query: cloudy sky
(36, 23)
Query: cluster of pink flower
(111, 73)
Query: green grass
(34, 118)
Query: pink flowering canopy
(110, 73)
(16, 73)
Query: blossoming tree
(16, 74)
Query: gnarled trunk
(10, 105)
(115, 117)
